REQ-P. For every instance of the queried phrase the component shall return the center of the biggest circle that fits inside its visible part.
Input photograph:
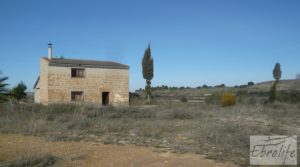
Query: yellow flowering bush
(228, 99)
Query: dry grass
(32, 160)
(219, 133)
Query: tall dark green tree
(147, 64)
(18, 92)
(277, 72)
(3, 88)
(276, 75)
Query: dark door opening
(105, 98)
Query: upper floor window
(77, 73)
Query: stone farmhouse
(81, 81)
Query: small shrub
(228, 100)
(78, 157)
(183, 99)
(272, 95)
(292, 96)
(62, 108)
(79, 124)
(242, 93)
(18, 92)
(115, 115)
(35, 160)
(214, 98)
(135, 99)
(85, 124)
(252, 101)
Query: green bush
(183, 99)
(242, 92)
(214, 98)
(18, 92)
(228, 100)
(34, 160)
(292, 96)
(135, 99)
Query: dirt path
(95, 154)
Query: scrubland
(220, 133)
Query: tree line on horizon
(204, 86)
(147, 66)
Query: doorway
(105, 98)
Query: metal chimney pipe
(49, 50)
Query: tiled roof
(62, 62)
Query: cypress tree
(147, 64)
(277, 72)
(276, 76)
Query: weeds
(220, 133)
(32, 161)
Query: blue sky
(193, 42)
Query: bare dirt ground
(89, 154)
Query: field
(196, 125)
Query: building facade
(81, 81)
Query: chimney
(49, 50)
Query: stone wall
(43, 82)
(37, 93)
(56, 84)
(96, 81)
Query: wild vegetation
(36, 160)
(16, 93)
(228, 100)
(276, 76)
(147, 66)
(3, 87)
(204, 120)
(169, 125)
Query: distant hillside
(200, 94)
(283, 85)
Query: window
(77, 96)
(77, 73)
